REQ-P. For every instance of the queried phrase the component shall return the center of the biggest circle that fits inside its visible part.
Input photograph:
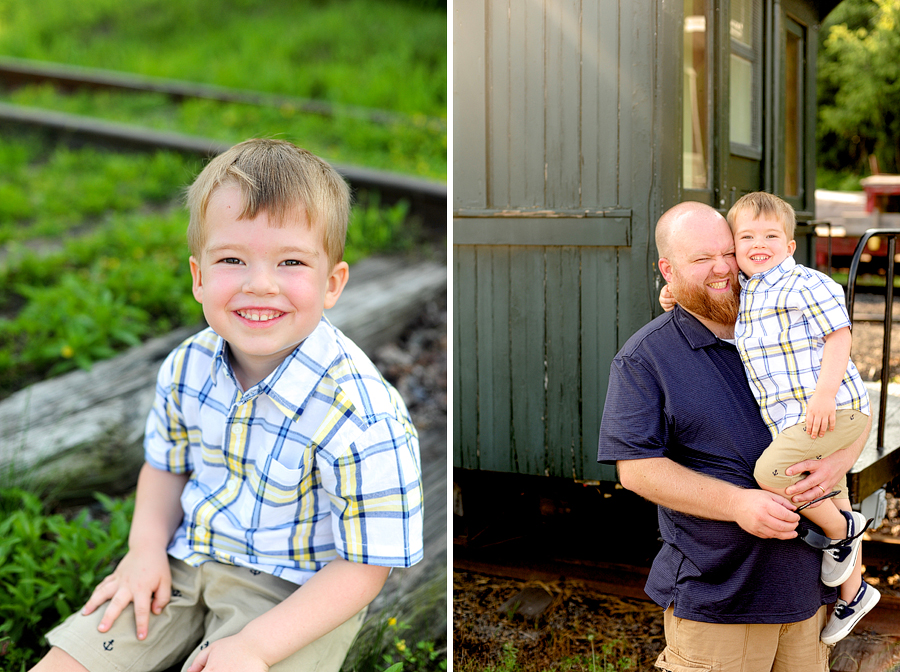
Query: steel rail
(427, 198)
(19, 71)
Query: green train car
(576, 124)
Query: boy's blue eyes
(235, 261)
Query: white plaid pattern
(785, 314)
(320, 460)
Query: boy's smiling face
(760, 243)
(263, 287)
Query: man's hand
(765, 514)
(823, 475)
(821, 415)
(231, 653)
(141, 577)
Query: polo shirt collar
(693, 330)
(771, 276)
(296, 378)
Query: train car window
(696, 96)
(745, 78)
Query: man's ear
(197, 280)
(336, 283)
(666, 269)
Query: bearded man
(740, 590)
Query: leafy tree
(859, 86)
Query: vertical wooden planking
(600, 104)
(638, 165)
(563, 100)
(563, 439)
(465, 411)
(526, 109)
(526, 335)
(469, 138)
(598, 347)
(498, 103)
(494, 398)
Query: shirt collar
(771, 276)
(296, 378)
(693, 330)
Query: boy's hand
(231, 653)
(666, 299)
(139, 577)
(821, 415)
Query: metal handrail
(891, 235)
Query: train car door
(748, 93)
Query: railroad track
(627, 580)
(427, 198)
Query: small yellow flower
(392, 622)
(67, 351)
(401, 645)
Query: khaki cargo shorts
(794, 445)
(209, 602)
(716, 647)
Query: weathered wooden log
(82, 431)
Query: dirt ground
(620, 634)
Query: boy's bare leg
(58, 661)
(828, 516)
(850, 587)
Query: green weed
(49, 565)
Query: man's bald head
(682, 220)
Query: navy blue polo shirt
(678, 391)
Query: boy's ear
(197, 280)
(791, 246)
(336, 283)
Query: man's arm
(144, 571)
(336, 593)
(667, 483)
(825, 472)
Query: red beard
(721, 309)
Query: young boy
(282, 475)
(793, 334)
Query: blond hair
(280, 179)
(761, 204)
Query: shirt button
(201, 531)
(231, 485)
(237, 429)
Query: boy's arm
(336, 593)
(144, 571)
(820, 411)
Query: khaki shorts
(716, 647)
(794, 445)
(209, 602)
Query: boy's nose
(260, 283)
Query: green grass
(384, 54)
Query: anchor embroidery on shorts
(255, 572)
(775, 473)
(818, 457)
(108, 646)
(176, 592)
(204, 645)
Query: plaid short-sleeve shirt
(785, 315)
(318, 461)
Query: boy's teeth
(257, 316)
